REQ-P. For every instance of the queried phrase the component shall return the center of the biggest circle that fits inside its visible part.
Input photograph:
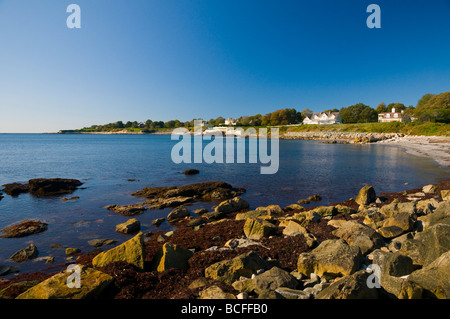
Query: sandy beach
(436, 147)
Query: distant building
(230, 121)
(392, 117)
(323, 118)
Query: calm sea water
(104, 163)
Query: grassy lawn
(428, 128)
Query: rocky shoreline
(375, 245)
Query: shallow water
(104, 163)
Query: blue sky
(166, 59)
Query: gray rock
(268, 280)
(358, 234)
(434, 278)
(332, 258)
(350, 287)
(289, 293)
(427, 245)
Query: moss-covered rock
(171, 256)
(131, 251)
(255, 228)
(92, 284)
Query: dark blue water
(104, 163)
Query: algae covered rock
(91, 284)
(171, 256)
(230, 270)
(25, 254)
(255, 228)
(332, 258)
(131, 251)
(366, 195)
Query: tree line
(430, 108)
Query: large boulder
(131, 251)
(255, 228)
(230, 270)
(396, 207)
(350, 287)
(401, 220)
(332, 258)
(434, 278)
(360, 235)
(427, 245)
(441, 215)
(392, 266)
(92, 284)
(24, 228)
(171, 256)
(426, 206)
(268, 280)
(366, 195)
(232, 205)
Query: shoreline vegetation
(373, 245)
(421, 139)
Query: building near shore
(323, 118)
(392, 117)
(231, 121)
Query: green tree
(433, 108)
(381, 108)
(358, 113)
(306, 113)
(220, 120)
(397, 106)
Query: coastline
(434, 147)
(267, 253)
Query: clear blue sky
(166, 59)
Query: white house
(392, 117)
(323, 118)
(230, 121)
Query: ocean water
(105, 163)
